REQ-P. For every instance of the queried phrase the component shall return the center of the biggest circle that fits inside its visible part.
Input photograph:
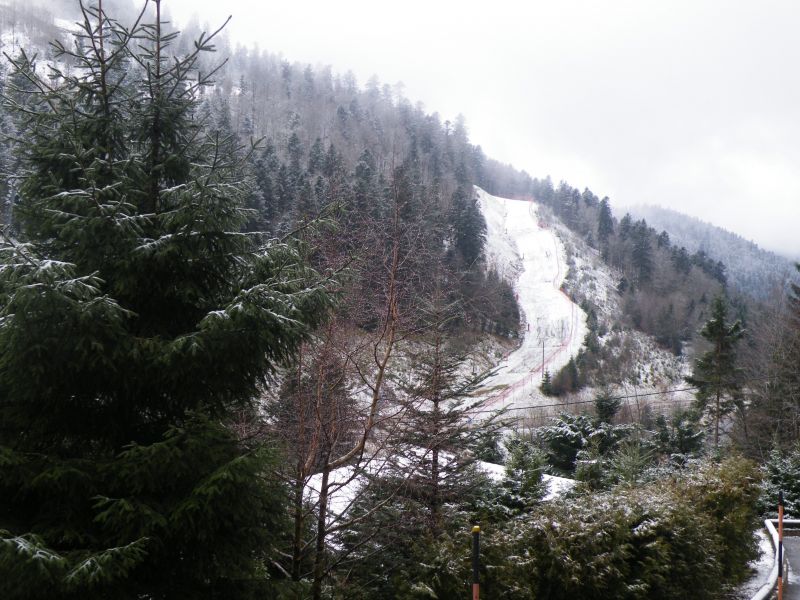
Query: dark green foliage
(137, 319)
(642, 255)
(487, 445)
(679, 436)
(708, 265)
(774, 413)
(146, 521)
(567, 380)
(715, 373)
(628, 542)
(641, 543)
(781, 473)
(524, 468)
(469, 227)
(606, 407)
(547, 383)
(567, 435)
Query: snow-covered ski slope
(523, 250)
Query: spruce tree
(135, 319)
(469, 226)
(547, 383)
(438, 437)
(605, 222)
(715, 372)
(606, 406)
(642, 254)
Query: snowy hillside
(526, 252)
(556, 277)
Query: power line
(566, 404)
(623, 397)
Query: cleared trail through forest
(523, 250)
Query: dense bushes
(689, 533)
(781, 474)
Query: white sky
(690, 104)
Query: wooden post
(476, 581)
(780, 545)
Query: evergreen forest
(247, 318)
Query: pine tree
(438, 434)
(547, 383)
(776, 410)
(469, 226)
(135, 320)
(715, 373)
(265, 171)
(782, 474)
(625, 226)
(316, 157)
(606, 406)
(642, 255)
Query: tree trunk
(435, 489)
(716, 422)
(297, 540)
(322, 525)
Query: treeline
(328, 148)
(664, 288)
(332, 149)
(751, 270)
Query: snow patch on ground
(556, 486)
(343, 487)
(761, 567)
(345, 484)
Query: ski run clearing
(529, 255)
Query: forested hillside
(245, 317)
(665, 288)
(328, 148)
(750, 270)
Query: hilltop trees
(136, 319)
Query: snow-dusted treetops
(266, 332)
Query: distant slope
(750, 269)
(558, 279)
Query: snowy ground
(529, 255)
(345, 485)
(556, 486)
(761, 569)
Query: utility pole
(542, 358)
(780, 545)
(476, 582)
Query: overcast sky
(693, 105)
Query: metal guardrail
(766, 590)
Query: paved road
(791, 546)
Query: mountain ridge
(753, 270)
